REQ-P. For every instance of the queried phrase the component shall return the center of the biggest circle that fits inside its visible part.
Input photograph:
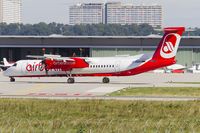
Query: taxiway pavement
(55, 87)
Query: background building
(118, 13)
(10, 11)
(17, 47)
(91, 13)
(115, 13)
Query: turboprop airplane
(70, 67)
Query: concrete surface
(89, 86)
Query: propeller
(45, 66)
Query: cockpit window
(15, 64)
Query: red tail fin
(168, 46)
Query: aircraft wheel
(106, 80)
(12, 79)
(70, 80)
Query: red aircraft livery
(55, 65)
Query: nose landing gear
(70, 80)
(12, 79)
(106, 80)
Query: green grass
(159, 91)
(98, 116)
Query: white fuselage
(97, 65)
(55, 65)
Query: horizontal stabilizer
(5, 64)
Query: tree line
(43, 29)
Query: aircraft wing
(176, 67)
(35, 56)
(43, 56)
(52, 57)
(62, 59)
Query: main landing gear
(12, 79)
(106, 80)
(70, 80)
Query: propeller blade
(45, 66)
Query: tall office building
(10, 11)
(91, 13)
(118, 13)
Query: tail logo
(170, 45)
(168, 48)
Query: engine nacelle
(65, 65)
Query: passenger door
(117, 66)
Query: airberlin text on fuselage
(37, 67)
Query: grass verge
(158, 91)
(98, 116)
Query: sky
(175, 12)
